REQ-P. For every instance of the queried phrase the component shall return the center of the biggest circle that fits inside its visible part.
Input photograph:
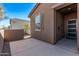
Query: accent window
(38, 23)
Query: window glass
(37, 23)
(71, 26)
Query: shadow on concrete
(6, 49)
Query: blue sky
(16, 10)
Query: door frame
(55, 10)
(77, 21)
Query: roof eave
(35, 7)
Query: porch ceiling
(68, 9)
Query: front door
(71, 29)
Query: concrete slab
(33, 47)
(68, 44)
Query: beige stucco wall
(13, 35)
(47, 33)
(1, 40)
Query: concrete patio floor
(34, 47)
